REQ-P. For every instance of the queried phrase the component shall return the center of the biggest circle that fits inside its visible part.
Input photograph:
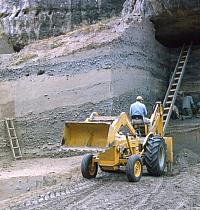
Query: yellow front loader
(121, 144)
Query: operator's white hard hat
(139, 98)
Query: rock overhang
(176, 22)
(178, 27)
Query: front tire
(134, 168)
(155, 156)
(88, 169)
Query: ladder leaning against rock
(14, 143)
(175, 83)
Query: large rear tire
(155, 156)
(88, 169)
(134, 168)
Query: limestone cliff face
(175, 21)
(153, 8)
(27, 20)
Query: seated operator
(138, 110)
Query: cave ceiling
(175, 28)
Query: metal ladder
(175, 83)
(14, 143)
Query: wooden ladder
(175, 83)
(14, 143)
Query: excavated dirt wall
(106, 79)
(186, 134)
(187, 138)
(139, 72)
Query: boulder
(5, 46)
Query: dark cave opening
(173, 30)
(179, 39)
(176, 29)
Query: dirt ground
(57, 183)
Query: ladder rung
(176, 78)
(174, 84)
(170, 96)
(182, 61)
(180, 67)
(168, 102)
(15, 147)
(166, 108)
(11, 128)
(178, 72)
(16, 157)
(13, 137)
(172, 90)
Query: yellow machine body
(107, 133)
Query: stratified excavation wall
(105, 80)
(101, 67)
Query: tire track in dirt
(113, 191)
(69, 196)
(147, 197)
(87, 202)
(178, 192)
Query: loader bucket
(86, 134)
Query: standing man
(138, 110)
(175, 113)
(187, 106)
